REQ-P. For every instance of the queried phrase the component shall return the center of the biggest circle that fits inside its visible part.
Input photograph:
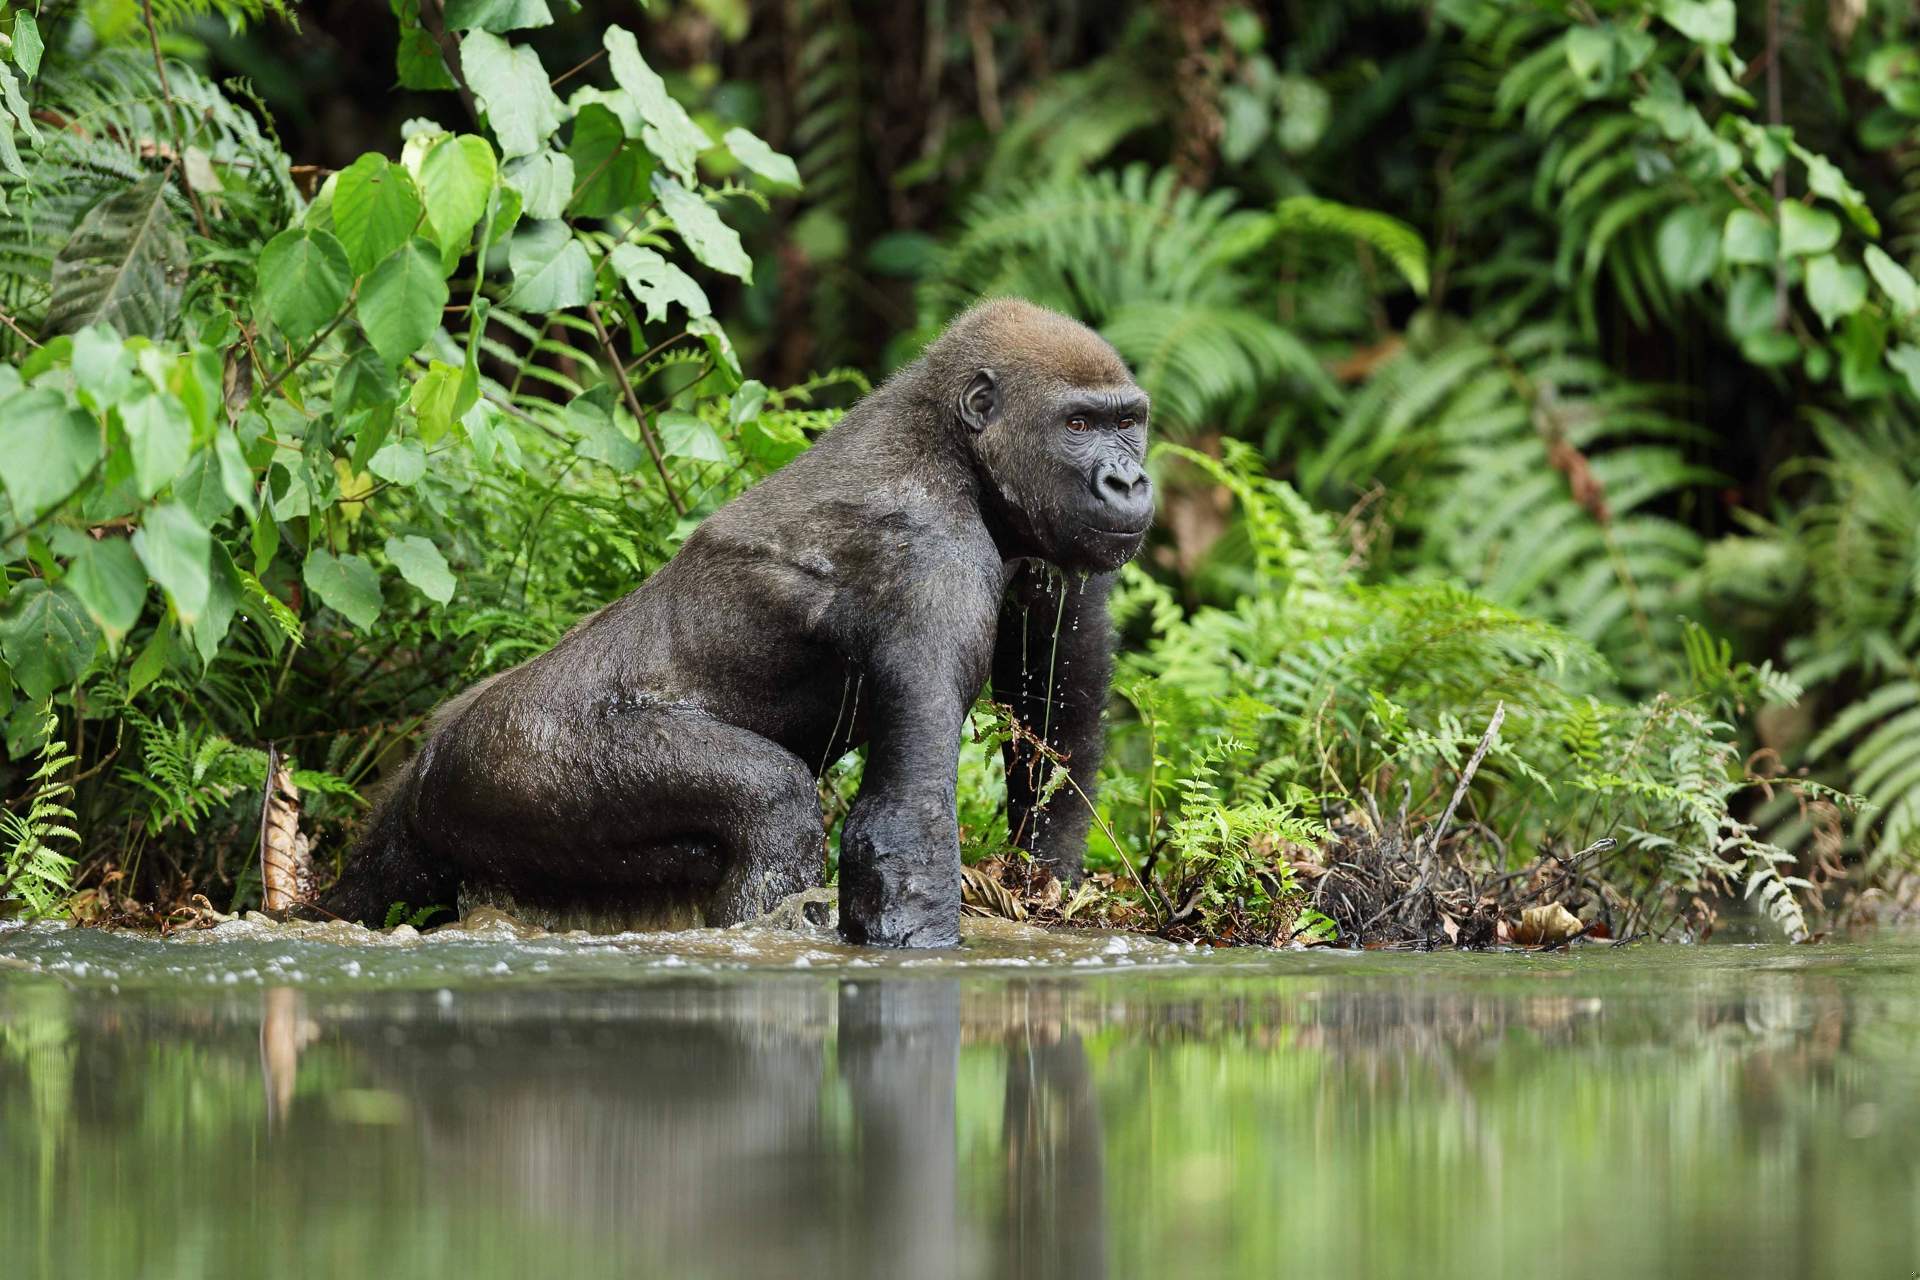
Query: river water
(251, 1102)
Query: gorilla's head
(1058, 431)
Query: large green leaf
(402, 462)
(346, 584)
(712, 241)
(1687, 245)
(685, 435)
(1806, 230)
(670, 133)
(497, 15)
(612, 169)
(46, 636)
(46, 447)
(375, 210)
(107, 579)
(512, 86)
(421, 563)
(1894, 280)
(655, 282)
(551, 269)
(27, 45)
(161, 435)
(400, 303)
(544, 181)
(176, 547)
(223, 601)
(123, 267)
(750, 151)
(1836, 289)
(302, 280)
(456, 177)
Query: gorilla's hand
(900, 872)
(900, 847)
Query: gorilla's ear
(980, 402)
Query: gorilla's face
(1067, 464)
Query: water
(254, 1104)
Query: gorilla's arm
(900, 846)
(1051, 663)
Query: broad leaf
(601, 438)
(421, 563)
(456, 177)
(756, 155)
(655, 282)
(46, 636)
(302, 281)
(175, 547)
(1687, 245)
(157, 428)
(712, 241)
(685, 435)
(1748, 239)
(610, 167)
(401, 302)
(670, 133)
(102, 367)
(1836, 289)
(512, 86)
(223, 601)
(551, 269)
(123, 267)
(544, 182)
(401, 461)
(1894, 280)
(107, 579)
(27, 45)
(1805, 230)
(375, 210)
(346, 584)
(497, 15)
(1707, 21)
(47, 446)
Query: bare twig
(1466, 778)
(179, 139)
(633, 405)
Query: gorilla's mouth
(1118, 533)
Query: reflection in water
(1697, 1113)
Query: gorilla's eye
(1126, 424)
(1077, 424)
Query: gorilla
(962, 522)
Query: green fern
(1537, 475)
(1166, 274)
(38, 872)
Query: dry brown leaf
(988, 896)
(1544, 926)
(286, 861)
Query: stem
(179, 139)
(633, 406)
(1781, 310)
(313, 345)
(433, 19)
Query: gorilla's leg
(1052, 665)
(648, 806)
(750, 799)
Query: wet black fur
(864, 594)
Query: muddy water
(250, 1102)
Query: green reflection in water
(496, 1108)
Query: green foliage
(1314, 679)
(36, 865)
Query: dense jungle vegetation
(1535, 377)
